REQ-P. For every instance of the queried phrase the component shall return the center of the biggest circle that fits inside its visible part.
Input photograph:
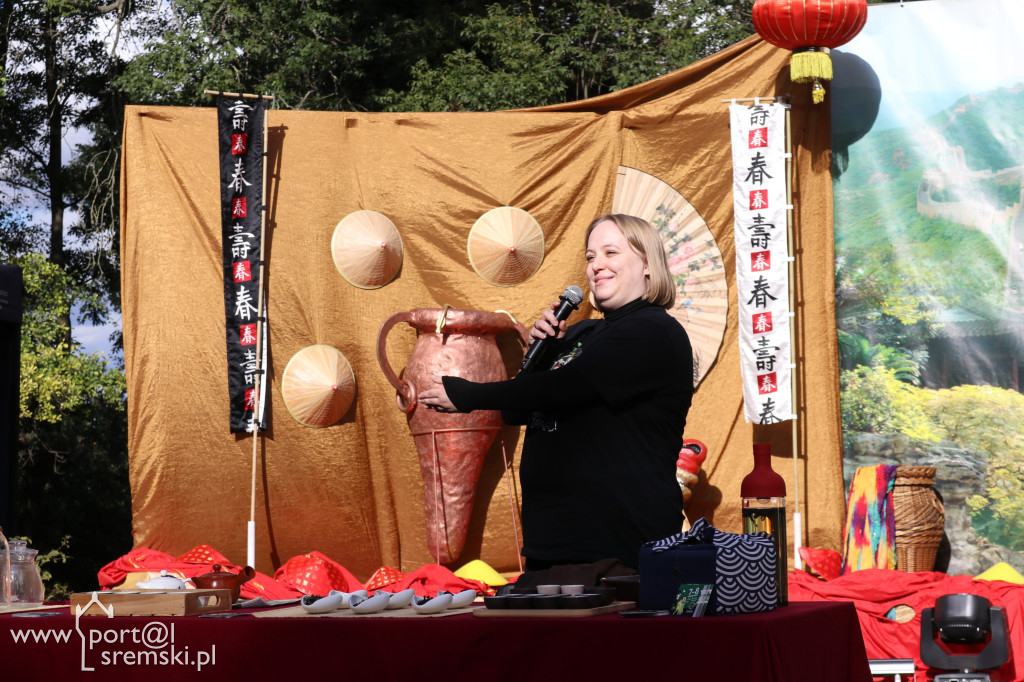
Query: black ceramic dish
(521, 601)
(547, 601)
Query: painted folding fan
(702, 295)
(506, 246)
(318, 386)
(367, 249)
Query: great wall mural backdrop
(928, 140)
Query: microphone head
(573, 294)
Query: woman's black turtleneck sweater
(604, 429)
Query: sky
(919, 79)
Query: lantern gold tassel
(810, 63)
(818, 92)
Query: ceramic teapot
(164, 581)
(224, 580)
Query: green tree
(57, 379)
(882, 297)
(56, 75)
(522, 55)
(874, 400)
(72, 442)
(990, 420)
(320, 55)
(856, 351)
(430, 55)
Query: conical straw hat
(367, 249)
(506, 246)
(702, 296)
(318, 386)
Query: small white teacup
(548, 589)
(572, 589)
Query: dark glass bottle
(764, 509)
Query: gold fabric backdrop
(353, 490)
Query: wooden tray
(152, 603)
(614, 607)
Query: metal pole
(797, 516)
(259, 383)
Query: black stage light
(973, 637)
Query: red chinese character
(242, 271)
(767, 383)
(759, 261)
(762, 323)
(238, 207)
(758, 199)
(247, 334)
(238, 143)
(758, 138)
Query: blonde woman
(605, 415)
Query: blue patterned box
(742, 568)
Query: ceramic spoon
(378, 602)
(399, 600)
(461, 600)
(436, 605)
(322, 605)
(347, 596)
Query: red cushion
(827, 563)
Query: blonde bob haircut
(645, 241)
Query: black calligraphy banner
(240, 126)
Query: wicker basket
(920, 518)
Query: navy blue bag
(741, 568)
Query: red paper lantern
(810, 28)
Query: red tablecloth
(875, 592)
(800, 642)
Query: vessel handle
(524, 333)
(406, 391)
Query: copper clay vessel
(451, 446)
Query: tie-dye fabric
(870, 535)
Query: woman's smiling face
(617, 273)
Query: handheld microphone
(571, 299)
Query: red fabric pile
(875, 592)
(312, 573)
(196, 561)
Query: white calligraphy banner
(762, 260)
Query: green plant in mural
(990, 420)
(856, 351)
(874, 400)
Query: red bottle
(764, 510)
